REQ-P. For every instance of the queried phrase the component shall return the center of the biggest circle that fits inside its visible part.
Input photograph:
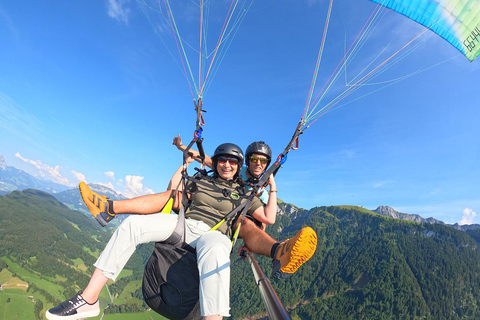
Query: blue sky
(93, 90)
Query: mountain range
(12, 179)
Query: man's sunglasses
(231, 160)
(255, 159)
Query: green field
(150, 315)
(5, 275)
(15, 304)
(125, 296)
(53, 289)
(21, 307)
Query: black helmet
(228, 149)
(259, 147)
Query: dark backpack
(171, 281)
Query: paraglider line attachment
(198, 134)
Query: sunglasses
(231, 160)
(255, 159)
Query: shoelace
(73, 303)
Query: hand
(177, 141)
(241, 251)
(189, 159)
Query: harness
(201, 177)
(257, 186)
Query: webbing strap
(168, 207)
(280, 159)
(178, 234)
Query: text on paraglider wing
(473, 38)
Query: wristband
(273, 191)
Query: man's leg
(288, 255)
(148, 204)
(256, 240)
(104, 210)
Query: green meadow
(16, 304)
(54, 289)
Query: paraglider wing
(457, 21)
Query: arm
(177, 176)
(175, 180)
(268, 213)
(177, 141)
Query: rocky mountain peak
(387, 211)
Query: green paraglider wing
(457, 21)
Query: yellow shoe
(292, 253)
(97, 204)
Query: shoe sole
(89, 314)
(303, 249)
(92, 208)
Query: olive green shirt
(211, 205)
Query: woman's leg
(95, 285)
(133, 231)
(213, 257)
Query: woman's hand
(271, 183)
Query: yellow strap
(218, 225)
(168, 206)
(235, 235)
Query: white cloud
(134, 187)
(79, 176)
(468, 216)
(110, 175)
(108, 185)
(46, 171)
(118, 10)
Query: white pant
(213, 254)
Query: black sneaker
(75, 308)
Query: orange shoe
(97, 204)
(292, 253)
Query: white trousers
(213, 254)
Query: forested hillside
(370, 267)
(47, 253)
(366, 266)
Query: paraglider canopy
(457, 21)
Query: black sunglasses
(231, 160)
